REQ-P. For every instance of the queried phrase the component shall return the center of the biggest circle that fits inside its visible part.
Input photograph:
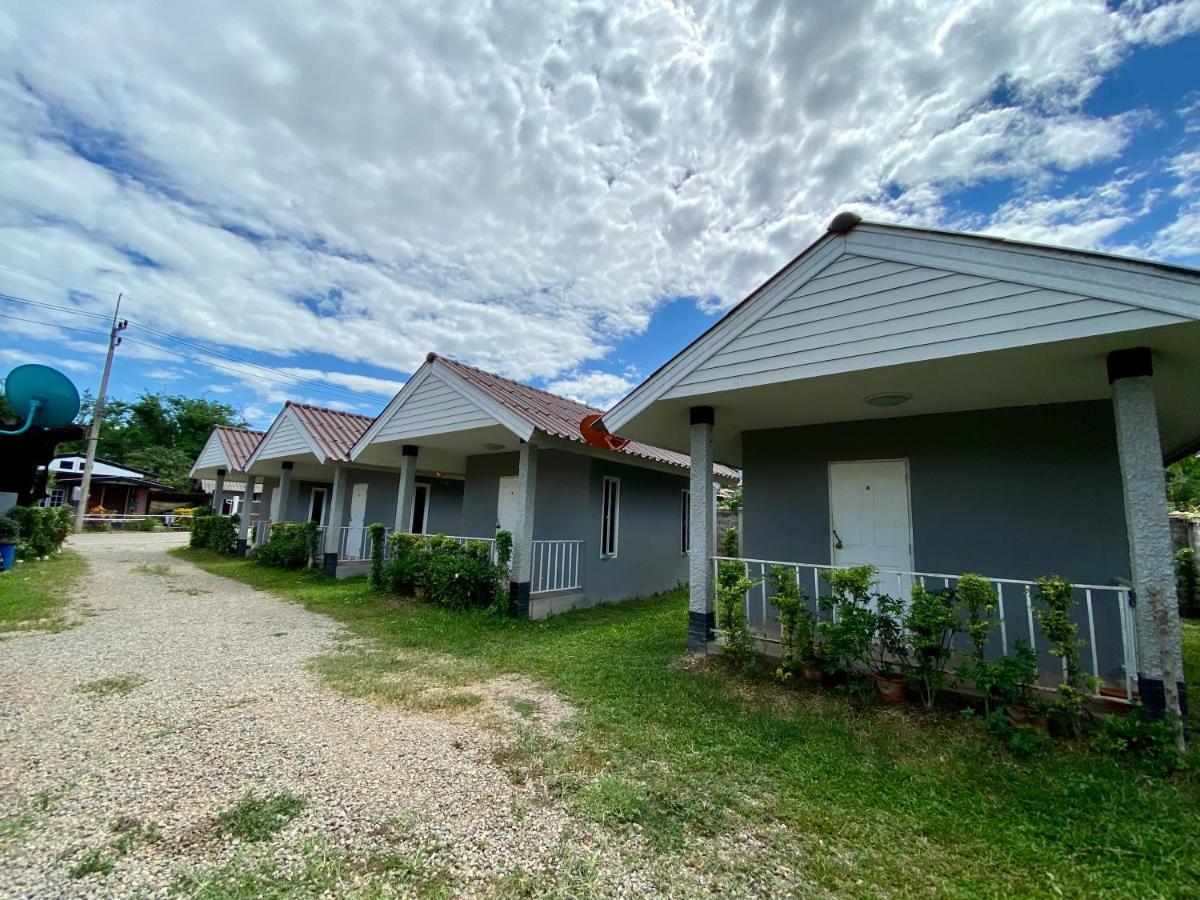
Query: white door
(506, 505)
(355, 535)
(871, 523)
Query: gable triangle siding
(434, 407)
(859, 312)
(213, 454)
(286, 441)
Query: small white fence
(556, 566)
(1115, 636)
(260, 533)
(167, 521)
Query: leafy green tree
(1183, 483)
(160, 433)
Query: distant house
(221, 468)
(117, 488)
(935, 403)
(590, 524)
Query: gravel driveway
(209, 699)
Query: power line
(325, 390)
(53, 325)
(67, 309)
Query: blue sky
(302, 205)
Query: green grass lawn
(744, 779)
(34, 593)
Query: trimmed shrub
(42, 529)
(442, 571)
(214, 532)
(10, 531)
(290, 545)
(1187, 580)
(376, 532)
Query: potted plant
(795, 621)
(9, 533)
(1010, 685)
(890, 650)
(930, 626)
(846, 637)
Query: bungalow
(590, 524)
(935, 403)
(224, 455)
(117, 488)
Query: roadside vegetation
(34, 593)
(773, 786)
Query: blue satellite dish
(42, 396)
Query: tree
(160, 433)
(1183, 483)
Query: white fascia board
(774, 291)
(518, 425)
(1131, 282)
(417, 379)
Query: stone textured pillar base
(329, 564)
(518, 599)
(240, 547)
(701, 626)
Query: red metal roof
(334, 431)
(556, 415)
(239, 443)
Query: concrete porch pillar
(1151, 555)
(522, 552)
(333, 526)
(244, 517)
(219, 492)
(266, 500)
(406, 495)
(701, 532)
(279, 503)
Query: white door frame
(422, 487)
(502, 482)
(324, 492)
(907, 501)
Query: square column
(279, 503)
(701, 532)
(1147, 526)
(522, 552)
(219, 493)
(244, 518)
(406, 495)
(333, 525)
(266, 500)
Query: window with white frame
(685, 514)
(55, 497)
(610, 515)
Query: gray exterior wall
(299, 498)
(649, 556)
(1009, 493)
(445, 505)
(567, 507)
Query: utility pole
(85, 484)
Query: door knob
(838, 545)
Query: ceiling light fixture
(888, 399)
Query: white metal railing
(260, 532)
(165, 520)
(354, 542)
(556, 566)
(1011, 592)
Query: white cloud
(17, 357)
(516, 186)
(166, 374)
(599, 389)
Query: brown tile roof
(334, 431)
(239, 443)
(556, 415)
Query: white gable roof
(437, 401)
(871, 295)
(287, 436)
(211, 456)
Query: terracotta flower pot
(1025, 715)
(891, 688)
(815, 674)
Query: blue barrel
(8, 553)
